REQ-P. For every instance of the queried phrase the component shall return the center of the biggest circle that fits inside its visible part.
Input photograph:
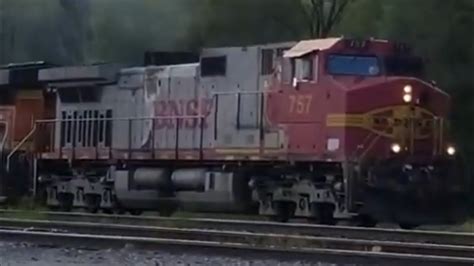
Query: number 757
(300, 104)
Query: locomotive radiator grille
(86, 128)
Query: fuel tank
(194, 189)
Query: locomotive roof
(256, 46)
(22, 74)
(25, 65)
(181, 70)
(308, 46)
(96, 73)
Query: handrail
(371, 145)
(18, 146)
(4, 139)
(361, 146)
(42, 121)
(241, 92)
(128, 119)
(441, 137)
(438, 135)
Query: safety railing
(362, 149)
(260, 108)
(412, 129)
(438, 135)
(18, 147)
(5, 129)
(55, 128)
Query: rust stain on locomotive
(182, 108)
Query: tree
(29, 31)
(75, 29)
(243, 22)
(125, 29)
(322, 15)
(239, 22)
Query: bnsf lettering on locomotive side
(176, 108)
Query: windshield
(353, 65)
(404, 66)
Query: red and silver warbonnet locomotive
(326, 129)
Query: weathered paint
(387, 122)
(327, 118)
(180, 107)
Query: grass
(228, 216)
(27, 209)
(468, 226)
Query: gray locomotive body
(135, 138)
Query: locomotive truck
(326, 129)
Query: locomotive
(326, 129)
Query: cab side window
(213, 66)
(303, 68)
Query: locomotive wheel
(166, 211)
(407, 226)
(93, 203)
(284, 210)
(116, 208)
(324, 213)
(42, 198)
(135, 212)
(108, 211)
(366, 221)
(66, 201)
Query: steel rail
(243, 237)
(291, 244)
(414, 236)
(234, 249)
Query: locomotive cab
(366, 105)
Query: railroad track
(420, 236)
(243, 236)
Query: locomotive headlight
(396, 148)
(451, 150)
(408, 89)
(407, 97)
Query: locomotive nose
(408, 114)
(421, 118)
(420, 93)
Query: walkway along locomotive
(326, 129)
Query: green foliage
(28, 30)
(239, 22)
(124, 29)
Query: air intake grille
(86, 128)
